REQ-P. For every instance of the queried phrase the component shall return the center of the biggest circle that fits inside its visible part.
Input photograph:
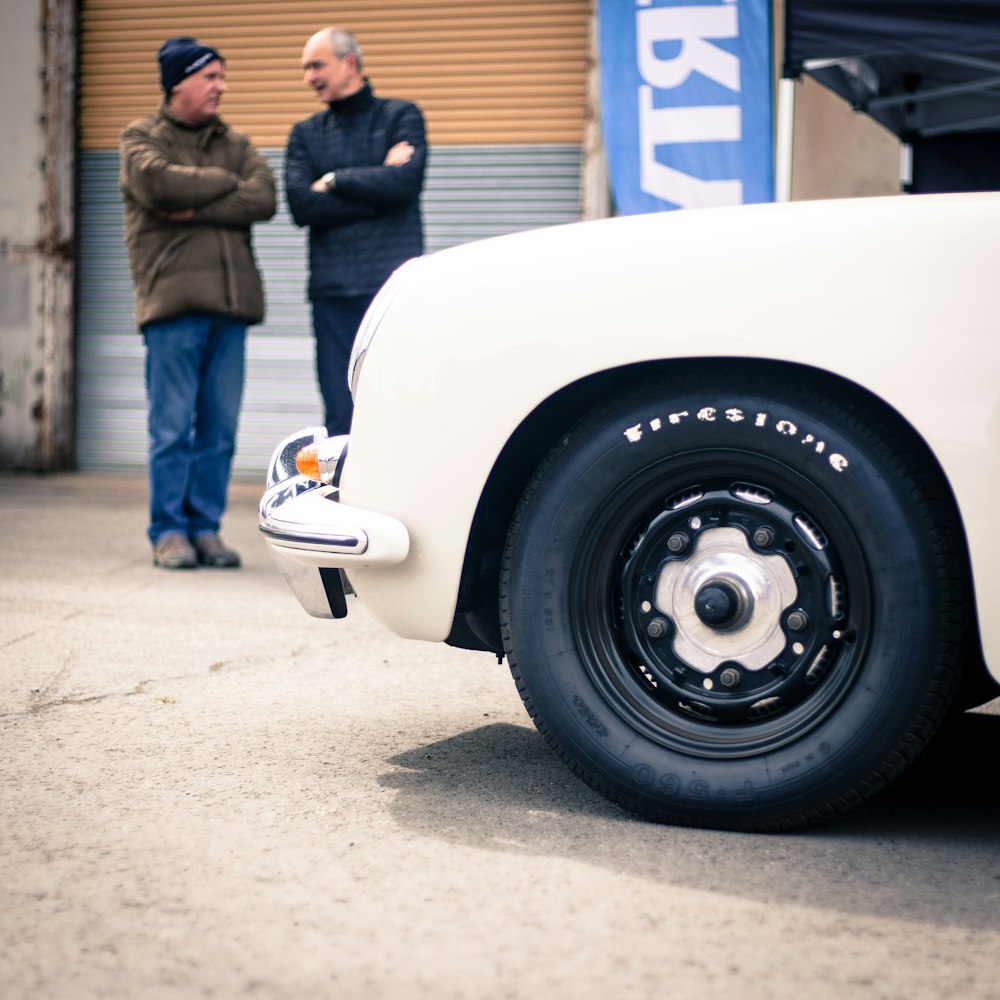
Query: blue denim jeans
(194, 385)
(335, 323)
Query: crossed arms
(212, 195)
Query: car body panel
(896, 295)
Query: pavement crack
(41, 700)
(10, 643)
(55, 681)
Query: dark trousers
(335, 323)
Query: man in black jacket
(353, 174)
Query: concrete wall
(837, 152)
(22, 195)
(37, 226)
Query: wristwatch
(329, 180)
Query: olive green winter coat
(205, 264)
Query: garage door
(503, 87)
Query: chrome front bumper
(312, 536)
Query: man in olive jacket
(192, 188)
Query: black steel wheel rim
(673, 676)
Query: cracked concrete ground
(206, 793)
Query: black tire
(730, 602)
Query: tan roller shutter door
(484, 73)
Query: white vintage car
(720, 485)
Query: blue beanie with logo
(180, 57)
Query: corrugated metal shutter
(507, 72)
(503, 88)
(470, 193)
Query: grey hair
(343, 43)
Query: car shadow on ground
(927, 848)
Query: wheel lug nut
(763, 538)
(678, 542)
(797, 621)
(658, 628)
(729, 677)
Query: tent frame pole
(783, 140)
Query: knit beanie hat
(179, 58)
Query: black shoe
(211, 551)
(174, 551)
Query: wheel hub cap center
(726, 602)
(720, 605)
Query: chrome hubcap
(726, 602)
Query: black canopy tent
(928, 70)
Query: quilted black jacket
(363, 229)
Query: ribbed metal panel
(512, 71)
(482, 191)
(470, 193)
(280, 386)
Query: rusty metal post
(595, 198)
(58, 236)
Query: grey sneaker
(174, 551)
(211, 551)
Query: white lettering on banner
(691, 26)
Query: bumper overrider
(312, 536)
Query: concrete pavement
(206, 793)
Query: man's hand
(398, 155)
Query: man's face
(331, 77)
(196, 98)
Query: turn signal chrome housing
(322, 460)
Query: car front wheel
(734, 602)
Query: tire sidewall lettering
(765, 420)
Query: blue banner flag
(686, 102)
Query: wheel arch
(476, 623)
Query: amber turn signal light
(307, 462)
